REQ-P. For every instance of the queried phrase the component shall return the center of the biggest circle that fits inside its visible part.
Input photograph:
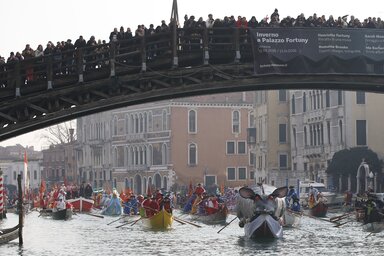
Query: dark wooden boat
(62, 214)
(319, 210)
(216, 218)
(9, 234)
(45, 213)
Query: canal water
(89, 235)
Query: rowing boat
(373, 227)
(219, 217)
(9, 234)
(62, 214)
(161, 220)
(319, 210)
(82, 204)
(264, 226)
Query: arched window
(164, 154)
(141, 123)
(126, 183)
(235, 121)
(305, 136)
(157, 181)
(341, 130)
(192, 154)
(145, 122)
(327, 99)
(165, 183)
(115, 125)
(293, 104)
(304, 102)
(127, 124)
(165, 120)
(192, 121)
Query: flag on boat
(42, 188)
(190, 189)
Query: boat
(374, 227)
(62, 214)
(332, 198)
(264, 226)
(161, 220)
(45, 213)
(9, 234)
(291, 218)
(81, 204)
(219, 217)
(319, 210)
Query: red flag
(190, 190)
(42, 188)
(149, 193)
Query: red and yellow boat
(161, 220)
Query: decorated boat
(374, 227)
(9, 234)
(260, 211)
(219, 217)
(82, 204)
(161, 220)
(319, 210)
(64, 214)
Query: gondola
(9, 234)
(319, 210)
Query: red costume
(153, 207)
(199, 190)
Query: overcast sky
(39, 21)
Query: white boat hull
(264, 226)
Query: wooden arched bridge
(42, 91)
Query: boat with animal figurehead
(260, 211)
(9, 234)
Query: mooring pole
(21, 210)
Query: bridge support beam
(112, 60)
(80, 65)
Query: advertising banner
(318, 50)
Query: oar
(316, 218)
(118, 219)
(95, 215)
(226, 225)
(183, 223)
(130, 222)
(341, 224)
(135, 221)
(336, 218)
(191, 223)
(369, 235)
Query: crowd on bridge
(63, 51)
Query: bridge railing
(159, 51)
